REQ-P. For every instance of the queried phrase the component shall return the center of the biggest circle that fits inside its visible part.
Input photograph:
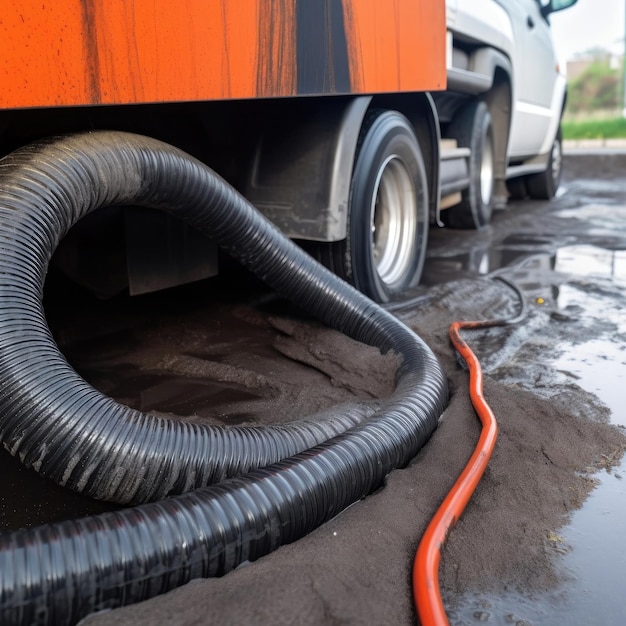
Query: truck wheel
(517, 188)
(472, 129)
(544, 186)
(383, 253)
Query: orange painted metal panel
(80, 52)
(396, 45)
(42, 54)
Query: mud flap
(162, 252)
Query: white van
(501, 52)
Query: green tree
(598, 86)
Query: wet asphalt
(568, 257)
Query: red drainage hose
(426, 591)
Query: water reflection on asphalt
(593, 568)
(592, 261)
(570, 263)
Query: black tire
(517, 188)
(383, 253)
(472, 128)
(544, 186)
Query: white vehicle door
(535, 75)
(451, 8)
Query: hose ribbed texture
(60, 426)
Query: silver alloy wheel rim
(556, 160)
(486, 171)
(394, 221)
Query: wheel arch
(487, 76)
(499, 99)
(297, 177)
(420, 110)
(302, 183)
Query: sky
(589, 24)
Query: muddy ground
(206, 353)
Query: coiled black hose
(65, 429)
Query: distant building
(577, 65)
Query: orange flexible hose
(426, 591)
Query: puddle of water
(584, 342)
(600, 368)
(611, 189)
(594, 567)
(591, 341)
(597, 363)
(592, 261)
(602, 222)
(597, 564)
(512, 251)
(582, 260)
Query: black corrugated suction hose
(60, 426)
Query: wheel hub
(394, 221)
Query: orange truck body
(59, 53)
